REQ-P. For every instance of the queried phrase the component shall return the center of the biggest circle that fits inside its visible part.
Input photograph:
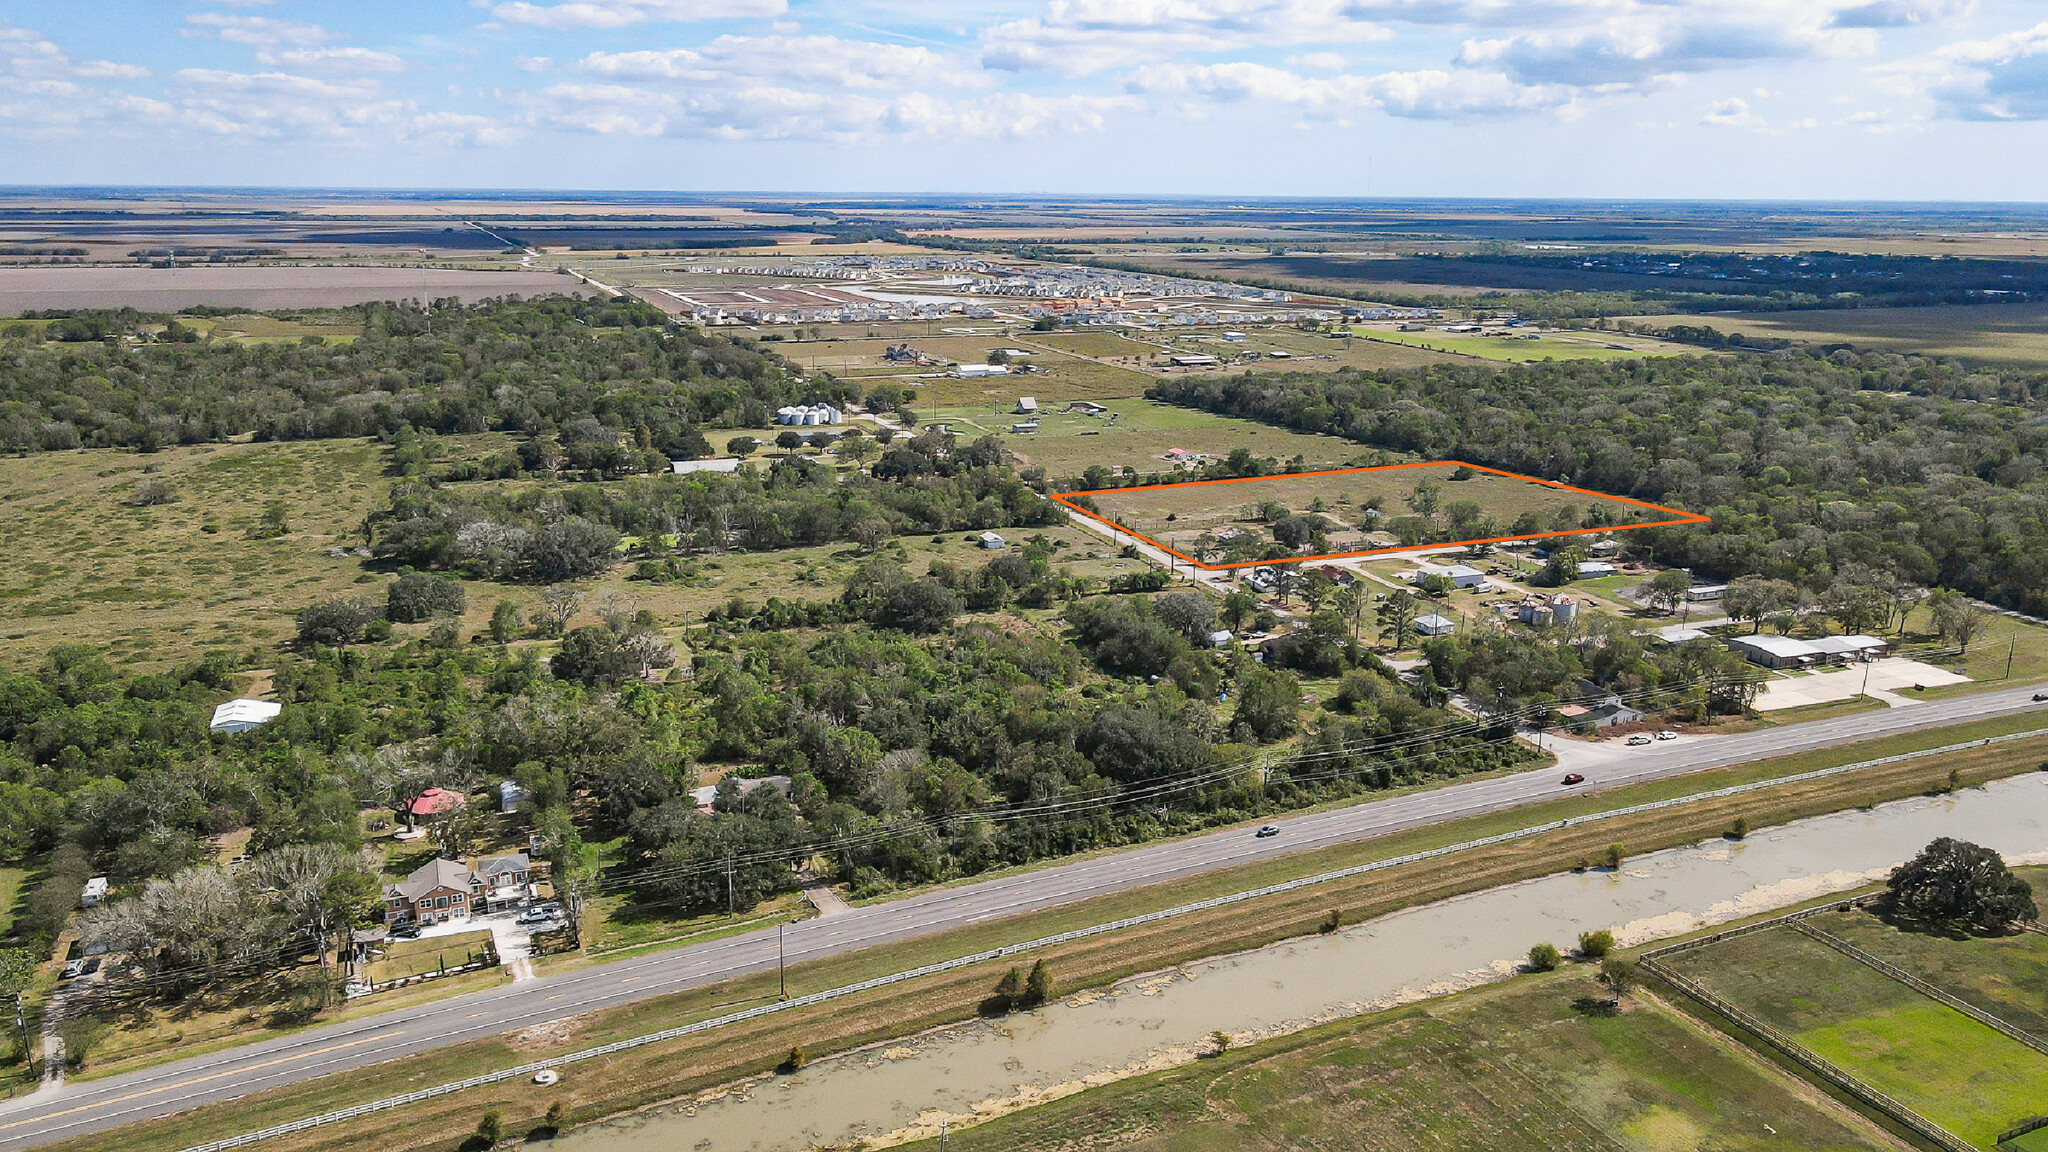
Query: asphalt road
(78, 1108)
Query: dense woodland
(1868, 469)
(532, 367)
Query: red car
(1575, 778)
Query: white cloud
(770, 112)
(333, 60)
(1320, 61)
(1649, 47)
(257, 31)
(1429, 94)
(624, 13)
(811, 60)
(1079, 37)
(1901, 13)
(1996, 78)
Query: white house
(1705, 592)
(242, 715)
(1595, 568)
(1435, 625)
(685, 467)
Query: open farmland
(1357, 502)
(2014, 334)
(1497, 1070)
(1958, 1073)
(258, 286)
(1143, 434)
(1548, 346)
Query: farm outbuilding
(242, 715)
(1435, 625)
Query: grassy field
(165, 581)
(1145, 430)
(2006, 976)
(1208, 508)
(403, 958)
(1554, 346)
(1961, 1074)
(1499, 1069)
(2014, 334)
(662, 1071)
(11, 880)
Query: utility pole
(781, 981)
(21, 1023)
(2010, 646)
(729, 913)
(1863, 693)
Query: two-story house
(437, 891)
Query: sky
(1794, 99)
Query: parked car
(2040, 696)
(74, 969)
(536, 916)
(92, 965)
(1269, 830)
(1667, 734)
(1638, 738)
(1574, 778)
(405, 931)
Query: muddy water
(887, 1094)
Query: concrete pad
(1886, 677)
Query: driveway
(1886, 677)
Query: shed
(509, 796)
(1435, 625)
(1460, 575)
(1027, 405)
(1193, 361)
(242, 715)
(1844, 649)
(1221, 638)
(1706, 592)
(1087, 408)
(1595, 568)
(95, 891)
(990, 540)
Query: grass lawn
(11, 881)
(1962, 1075)
(403, 958)
(1506, 1068)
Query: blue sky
(1879, 99)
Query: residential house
(1705, 592)
(1591, 568)
(1435, 625)
(433, 802)
(505, 881)
(94, 894)
(436, 892)
(1221, 638)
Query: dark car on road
(405, 931)
(1574, 778)
(1269, 830)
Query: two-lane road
(80, 1108)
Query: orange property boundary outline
(1678, 517)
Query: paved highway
(77, 1108)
